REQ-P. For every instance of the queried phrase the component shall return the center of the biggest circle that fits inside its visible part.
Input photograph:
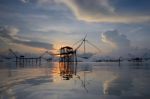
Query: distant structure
(83, 42)
(137, 59)
(22, 60)
(67, 54)
(68, 58)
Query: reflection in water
(89, 80)
(106, 85)
(86, 69)
(67, 69)
(118, 86)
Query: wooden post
(39, 61)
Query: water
(86, 81)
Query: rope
(94, 46)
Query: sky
(116, 27)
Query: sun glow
(56, 72)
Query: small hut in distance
(67, 54)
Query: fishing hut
(67, 54)
(22, 60)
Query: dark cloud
(125, 11)
(35, 44)
(9, 34)
(93, 6)
(136, 7)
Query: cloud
(9, 35)
(35, 44)
(24, 1)
(12, 31)
(115, 39)
(119, 45)
(8, 32)
(40, 2)
(139, 35)
(46, 2)
(108, 11)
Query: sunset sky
(115, 26)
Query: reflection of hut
(117, 85)
(67, 69)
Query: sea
(82, 80)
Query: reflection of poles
(75, 68)
(19, 62)
(16, 61)
(32, 61)
(9, 71)
(84, 45)
(75, 60)
(40, 61)
(83, 82)
(119, 60)
(36, 61)
(47, 69)
(22, 61)
(84, 79)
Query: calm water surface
(84, 81)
